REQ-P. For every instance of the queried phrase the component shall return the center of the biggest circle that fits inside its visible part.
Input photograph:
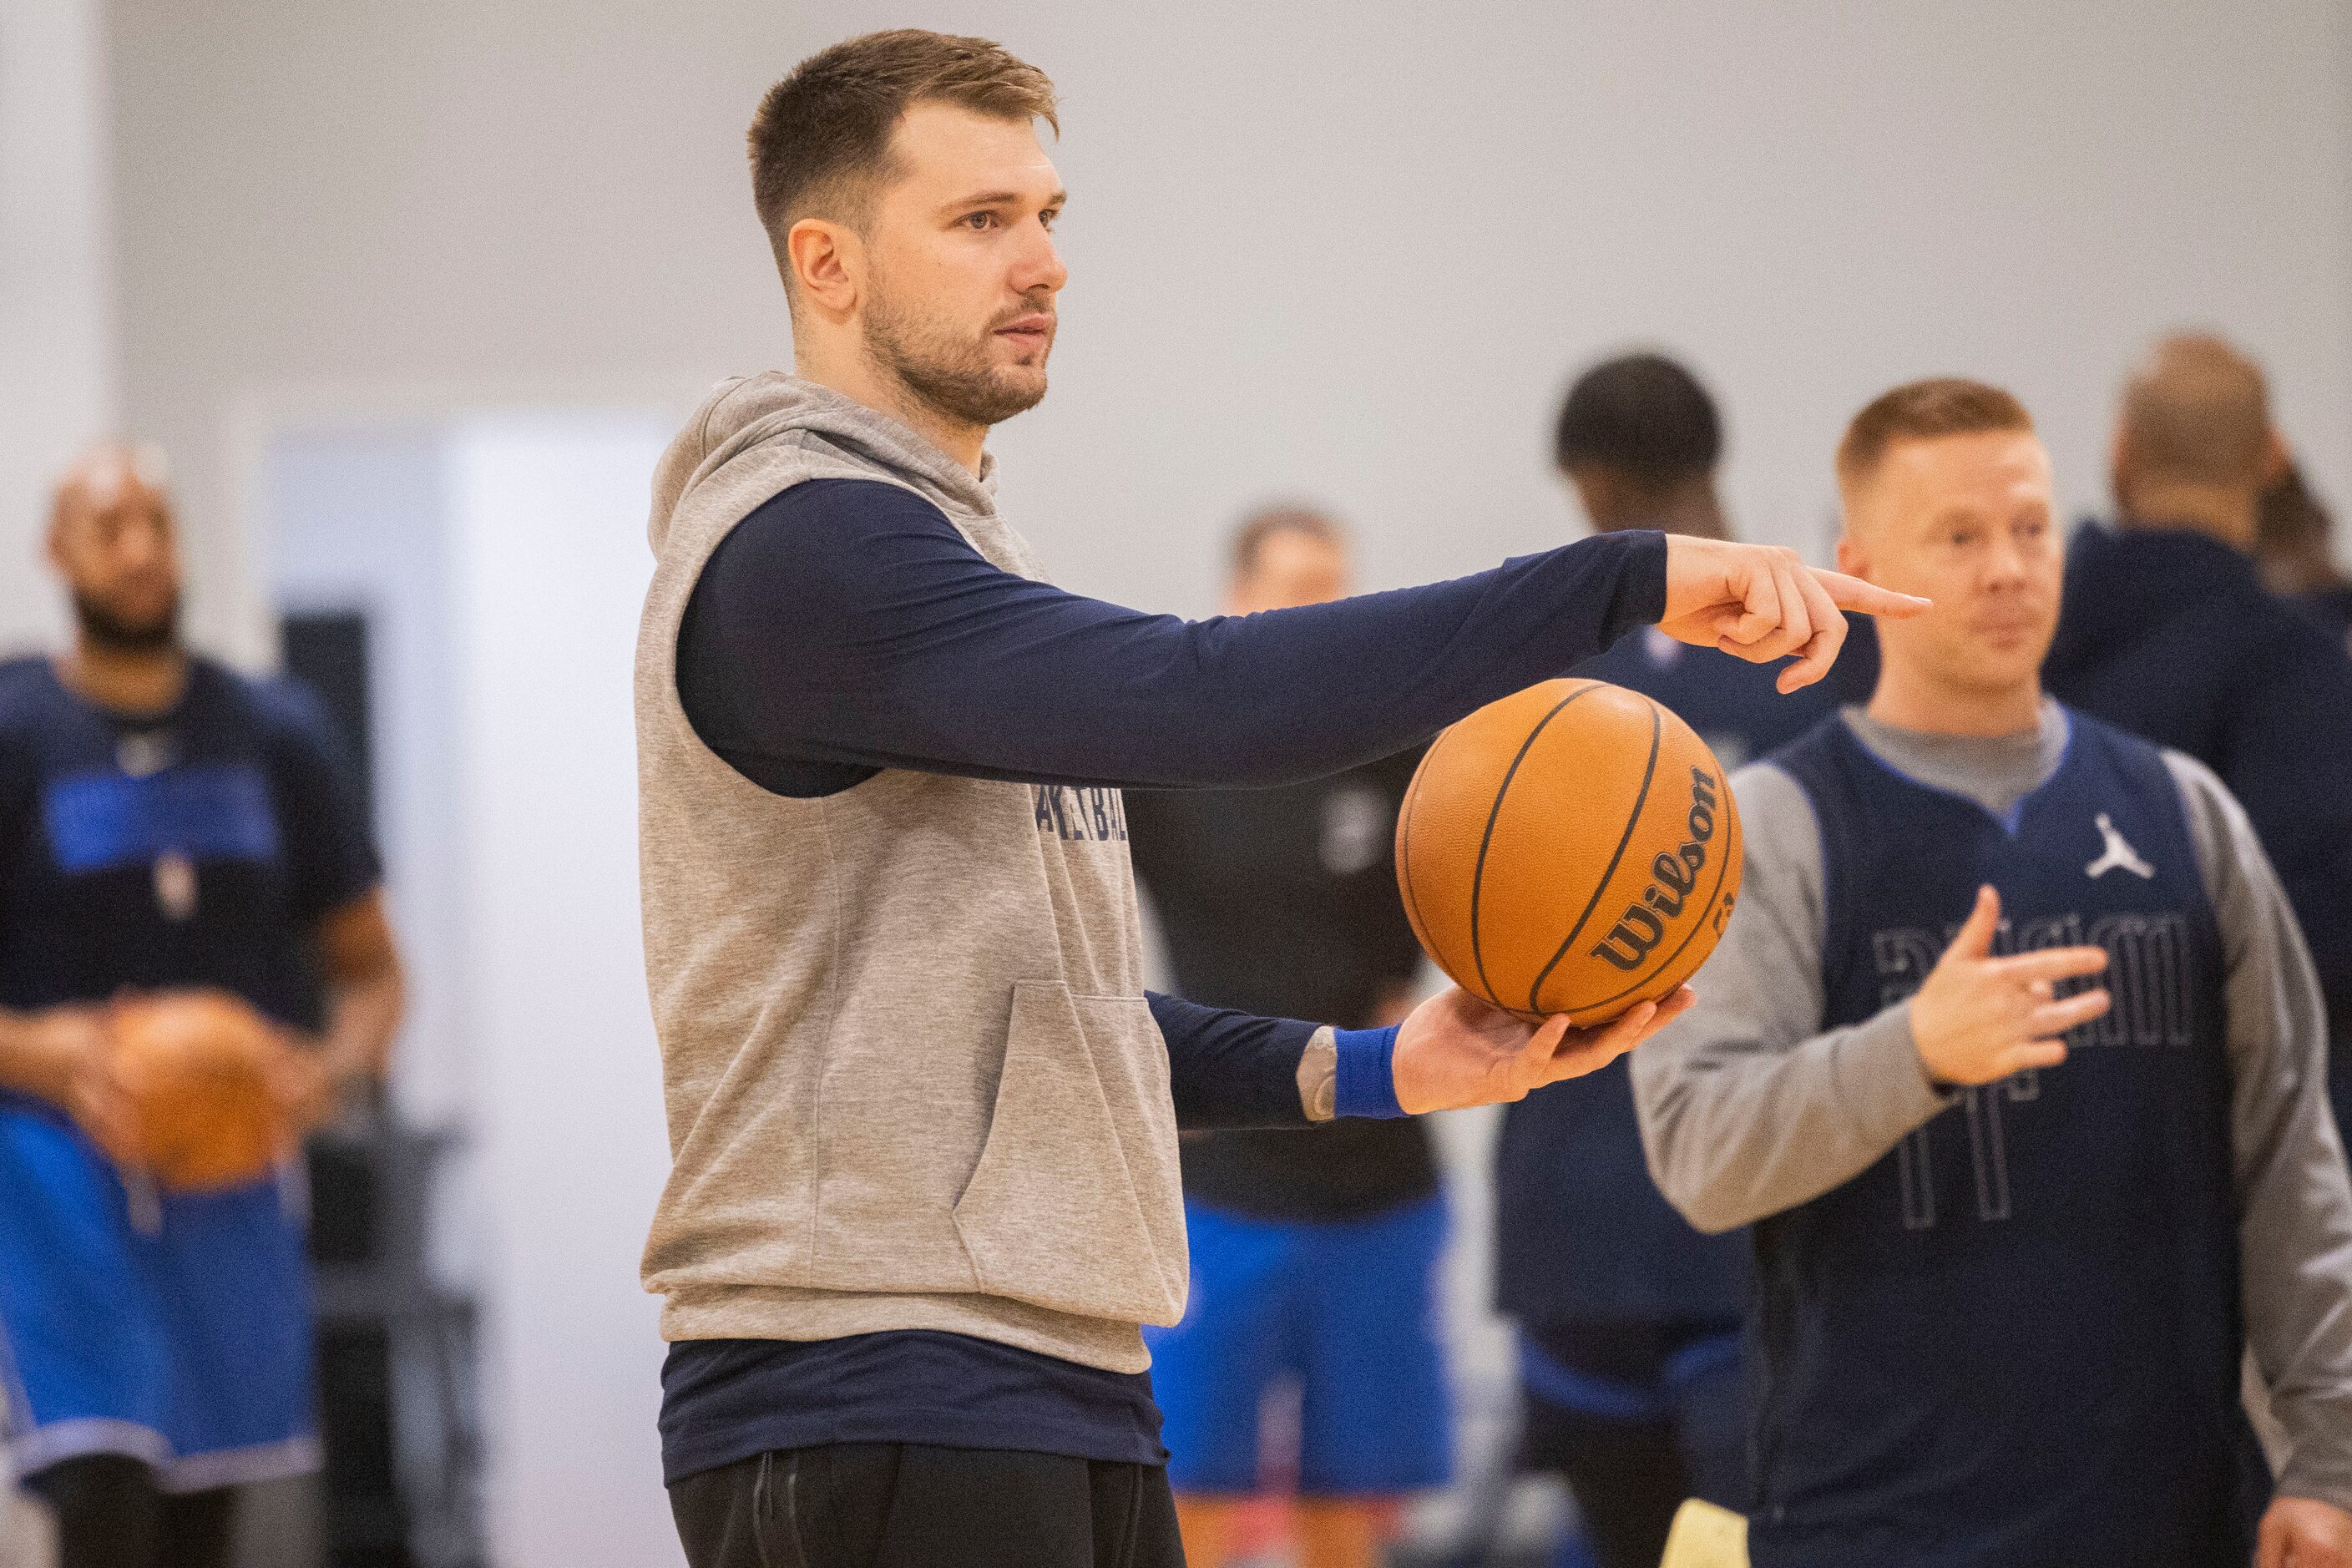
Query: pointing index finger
(1854, 593)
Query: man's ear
(1582, 482)
(1603, 492)
(2276, 458)
(828, 262)
(1852, 559)
(2118, 484)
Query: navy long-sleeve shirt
(846, 626)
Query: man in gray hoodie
(922, 1112)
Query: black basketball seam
(1479, 875)
(1633, 820)
(1404, 858)
(1696, 926)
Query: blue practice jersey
(2015, 1339)
(1582, 1234)
(198, 848)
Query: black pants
(910, 1505)
(110, 1515)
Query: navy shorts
(173, 1330)
(1347, 1311)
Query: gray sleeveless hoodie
(911, 1079)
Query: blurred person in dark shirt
(1628, 1318)
(2168, 631)
(1639, 440)
(167, 826)
(2293, 550)
(1314, 1251)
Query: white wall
(1347, 251)
(57, 304)
(500, 563)
(352, 516)
(548, 570)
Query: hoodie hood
(749, 418)
(2128, 586)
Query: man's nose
(143, 548)
(2006, 564)
(1040, 265)
(140, 548)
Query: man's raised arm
(846, 627)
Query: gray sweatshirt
(913, 1081)
(1749, 1107)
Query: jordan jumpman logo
(2117, 855)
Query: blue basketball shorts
(1347, 1311)
(176, 1329)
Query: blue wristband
(1366, 1081)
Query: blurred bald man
(165, 825)
(2168, 632)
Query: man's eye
(979, 220)
(1050, 217)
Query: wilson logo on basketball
(1572, 848)
(1674, 874)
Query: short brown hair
(1249, 538)
(1922, 411)
(821, 142)
(2196, 412)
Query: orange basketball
(1573, 849)
(196, 1067)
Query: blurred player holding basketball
(2013, 1056)
(166, 828)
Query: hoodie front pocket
(1074, 1205)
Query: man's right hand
(1761, 602)
(1457, 1050)
(65, 1056)
(1980, 1018)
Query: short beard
(951, 377)
(110, 632)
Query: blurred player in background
(1629, 1319)
(1639, 440)
(2294, 549)
(165, 825)
(1314, 1251)
(2013, 1057)
(2168, 633)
